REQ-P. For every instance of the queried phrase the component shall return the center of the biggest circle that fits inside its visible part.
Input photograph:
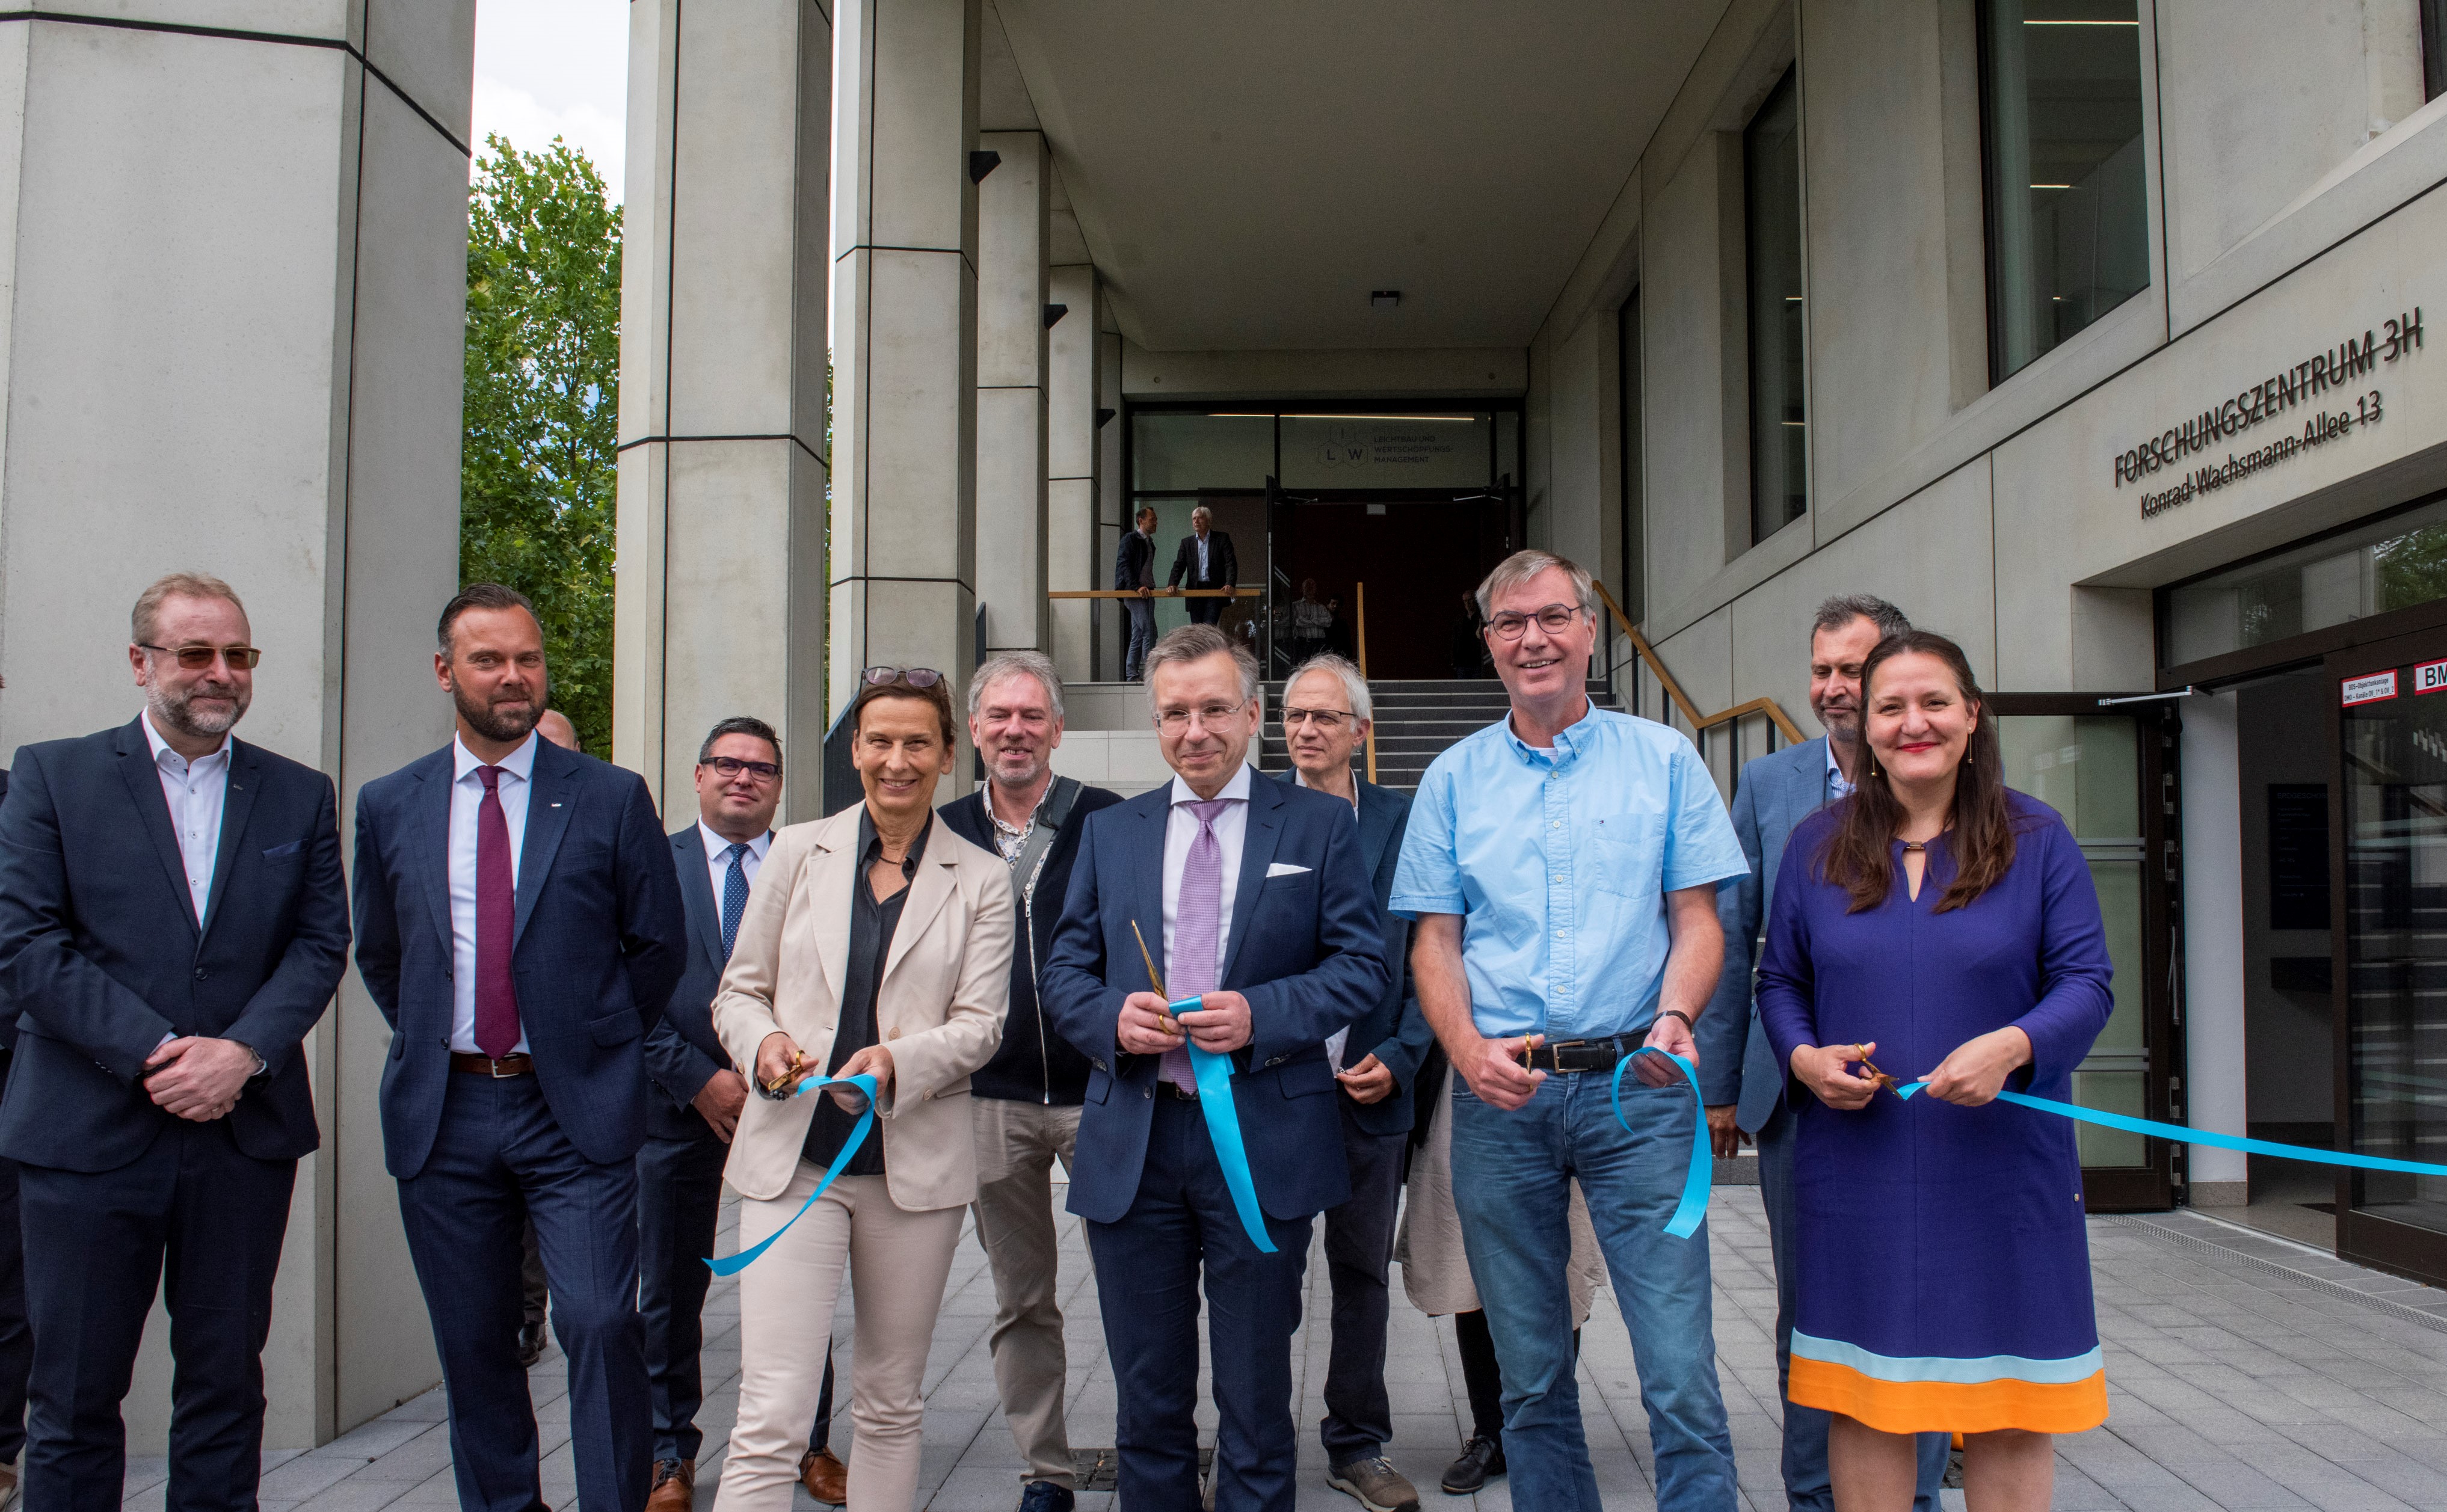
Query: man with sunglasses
(173, 921)
(1583, 849)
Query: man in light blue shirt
(1562, 867)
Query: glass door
(2389, 884)
(2104, 768)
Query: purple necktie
(496, 918)
(1198, 919)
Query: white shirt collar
(518, 763)
(1300, 778)
(1836, 772)
(1238, 788)
(715, 846)
(153, 737)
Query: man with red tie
(520, 924)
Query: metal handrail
(1700, 722)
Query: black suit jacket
(1134, 561)
(682, 1050)
(101, 953)
(1223, 568)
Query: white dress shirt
(1836, 786)
(467, 799)
(1335, 1041)
(717, 860)
(197, 792)
(1180, 832)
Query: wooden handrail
(1682, 700)
(1154, 593)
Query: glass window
(2068, 223)
(1174, 452)
(1420, 449)
(2394, 564)
(1779, 428)
(1627, 591)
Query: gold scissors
(1876, 1075)
(1164, 1021)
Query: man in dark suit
(1134, 572)
(519, 923)
(1027, 1098)
(173, 921)
(1252, 897)
(1327, 714)
(16, 1335)
(1205, 560)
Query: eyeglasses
(1328, 720)
(731, 767)
(1554, 619)
(914, 676)
(195, 658)
(1209, 716)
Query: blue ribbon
(1694, 1206)
(1214, 1074)
(2193, 1136)
(732, 1265)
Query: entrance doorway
(1418, 556)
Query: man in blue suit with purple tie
(519, 923)
(1251, 896)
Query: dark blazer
(599, 945)
(1776, 792)
(1395, 1030)
(101, 955)
(1035, 1064)
(1305, 950)
(1224, 569)
(1134, 561)
(682, 1050)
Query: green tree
(537, 464)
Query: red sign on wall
(2377, 688)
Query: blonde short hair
(1523, 565)
(140, 624)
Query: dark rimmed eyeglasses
(195, 658)
(1553, 619)
(731, 767)
(914, 676)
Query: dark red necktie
(497, 919)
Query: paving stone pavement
(2242, 1372)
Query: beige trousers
(899, 1262)
(1016, 1147)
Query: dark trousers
(1138, 620)
(198, 1221)
(1358, 1247)
(679, 1204)
(1147, 1272)
(16, 1335)
(497, 1158)
(1205, 611)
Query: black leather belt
(1566, 1057)
(1173, 1089)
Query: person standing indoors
(1252, 897)
(878, 944)
(1327, 714)
(1581, 848)
(1739, 1077)
(519, 926)
(1027, 1098)
(1204, 559)
(1134, 572)
(1936, 925)
(173, 921)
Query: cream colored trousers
(899, 1262)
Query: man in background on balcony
(1739, 1079)
(1205, 560)
(1134, 572)
(1583, 849)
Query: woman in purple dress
(1938, 925)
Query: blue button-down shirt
(1559, 861)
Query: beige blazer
(938, 1008)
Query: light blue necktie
(734, 897)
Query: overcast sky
(548, 69)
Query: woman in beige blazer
(875, 941)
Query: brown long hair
(1857, 855)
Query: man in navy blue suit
(519, 923)
(172, 922)
(1251, 897)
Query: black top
(871, 926)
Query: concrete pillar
(1071, 465)
(2214, 1038)
(1112, 497)
(1013, 253)
(721, 581)
(904, 222)
(237, 271)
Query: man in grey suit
(1740, 1081)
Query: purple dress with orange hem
(1944, 1271)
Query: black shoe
(1482, 1460)
(530, 1344)
(1044, 1496)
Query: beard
(493, 722)
(1842, 726)
(177, 708)
(1007, 777)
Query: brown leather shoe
(825, 1477)
(674, 1487)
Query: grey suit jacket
(1776, 792)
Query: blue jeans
(1512, 1175)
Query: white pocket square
(1283, 869)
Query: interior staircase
(1416, 722)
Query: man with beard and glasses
(1739, 1079)
(519, 925)
(173, 921)
(1027, 1098)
